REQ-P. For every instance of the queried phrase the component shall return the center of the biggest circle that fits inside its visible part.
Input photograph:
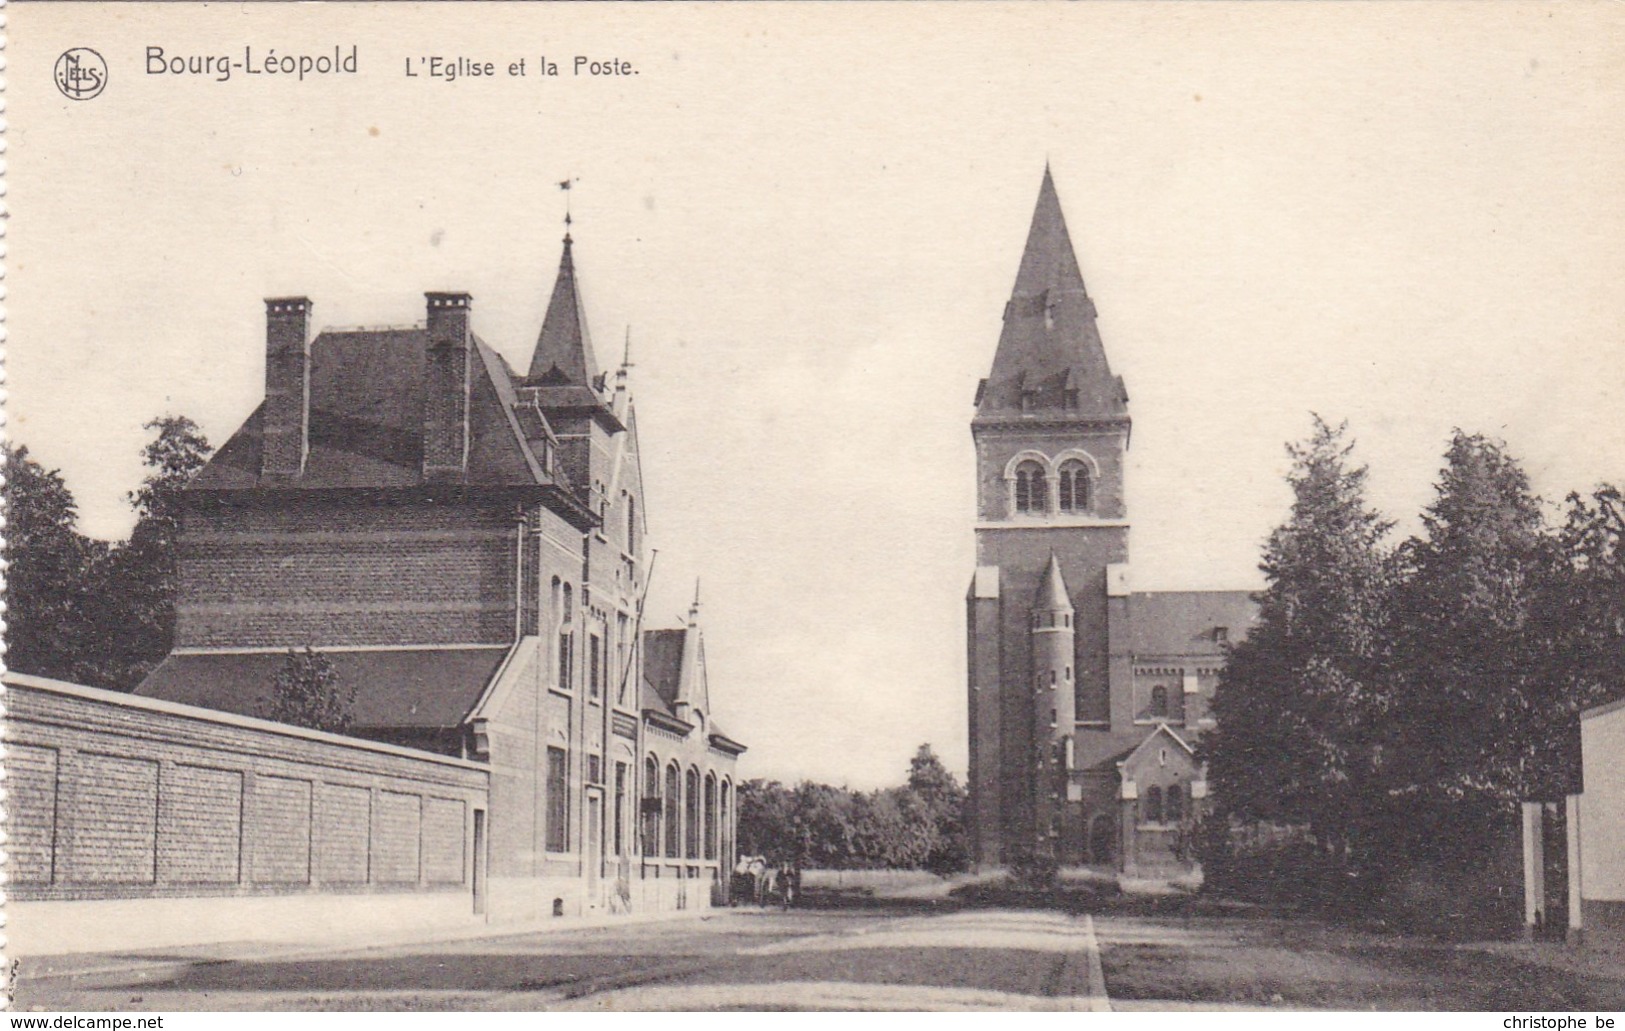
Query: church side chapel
(1086, 697)
(467, 544)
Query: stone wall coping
(1603, 709)
(193, 712)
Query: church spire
(563, 354)
(1050, 358)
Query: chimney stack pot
(286, 421)
(446, 383)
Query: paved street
(864, 957)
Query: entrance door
(479, 862)
(595, 845)
(1103, 841)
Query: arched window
(1032, 488)
(1074, 486)
(691, 813)
(1153, 806)
(650, 822)
(631, 524)
(565, 666)
(674, 814)
(1159, 702)
(726, 831)
(710, 816)
(1174, 803)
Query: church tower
(1051, 431)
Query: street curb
(225, 951)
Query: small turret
(563, 355)
(1053, 640)
(693, 699)
(1054, 648)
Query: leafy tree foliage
(1584, 617)
(145, 567)
(82, 609)
(51, 572)
(1470, 682)
(1301, 703)
(913, 826)
(1391, 707)
(307, 692)
(942, 801)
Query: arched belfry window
(1032, 488)
(1075, 487)
(1159, 702)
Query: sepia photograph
(759, 507)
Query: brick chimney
(286, 420)
(445, 388)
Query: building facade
(467, 545)
(1086, 697)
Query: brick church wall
(331, 574)
(113, 796)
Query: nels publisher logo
(80, 73)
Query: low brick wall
(118, 797)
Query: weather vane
(565, 185)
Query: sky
(808, 219)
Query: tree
(1590, 593)
(307, 692)
(1476, 685)
(912, 826)
(943, 801)
(50, 574)
(766, 818)
(1301, 703)
(143, 571)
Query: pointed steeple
(564, 349)
(1050, 359)
(693, 694)
(1052, 592)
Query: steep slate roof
(1052, 595)
(416, 687)
(1050, 344)
(664, 667)
(366, 421)
(1103, 751)
(563, 355)
(1182, 622)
